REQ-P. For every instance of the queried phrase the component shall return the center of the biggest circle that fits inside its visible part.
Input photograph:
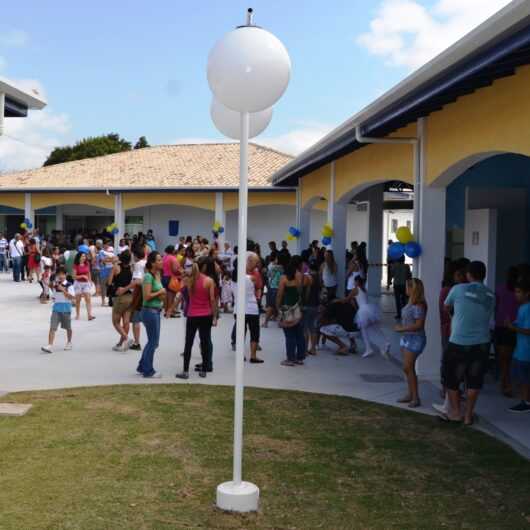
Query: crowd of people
(198, 279)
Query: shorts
(165, 281)
(336, 330)
(505, 337)
(96, 276)
(136, 317)
(413, 343)
(271, 297)
(82, 287)
(121, 304)
(521, 372)
(310, 319)
(60, 318)
(466, 363)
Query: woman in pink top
(505, 339)
(201, 316)
(82, 284)
(171, 268)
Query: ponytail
(195, 272)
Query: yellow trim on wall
(45, 200)
(493, 119)
(197, 200)
(12, 200)
(261, 198)
(316, 184)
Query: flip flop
(447, 419)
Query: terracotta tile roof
(165, 166)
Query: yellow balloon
(290, 237)
(23, 225)
(404, 235)
(327, 231)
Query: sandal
(256, 361)
(404, 399)
(447, 419)
(414, 404)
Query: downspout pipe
(2, 111)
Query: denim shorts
(413, 343)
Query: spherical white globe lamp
(248, 69)
(228, 121)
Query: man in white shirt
(16, 251)
(3, 253)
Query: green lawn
(150, 457)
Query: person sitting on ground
(521, 354)
(337, 322)
(63, 295)
(467, 355)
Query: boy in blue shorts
(521, 354)
(63, 294)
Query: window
(409, 225)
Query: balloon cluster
(27, 224)
(327, 234)
(406, 245)
(113, 229)
(218, 228)
(293, 233)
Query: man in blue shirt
(473, 306)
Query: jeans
(17, 268)
(400, 294)
(204, 325)
(151, 320)
(3, 263)
(295, 342)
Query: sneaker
(46, 349)
(68, 346)
(182, 375)
(130, 343)
(521, 407)
(441, 409)
(154, 375)
(117, 347)
(367, 354)
(135, 347)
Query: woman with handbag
(288, 303)
(122, 282)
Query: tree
(141, 143)
(89, 148)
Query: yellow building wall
(44, 200)
(495, 118)
(197, 200)
(13, 200)
(370, 164)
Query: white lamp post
(248, 72)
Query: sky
(139, 68)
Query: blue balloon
(221, 229)
(413, 249)
(114, 231)
(297, 233)
(396, 251)
(83, 248)
(326, 240)
(27, 221)
(29, 225)
(292, 231)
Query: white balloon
(228, 121)
(248, 69)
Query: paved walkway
(92, 362)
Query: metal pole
(2, 111)
(241, 298)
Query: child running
(63, 294)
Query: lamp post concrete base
(242, 497)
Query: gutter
(259, 189)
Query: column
(331, 198)
(305, 227)
(59, 218)
(375, 239)
(29, 213)
(220, 216)
(298, 218)
(338, 222)
(119, 218)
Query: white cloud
(297, 140)
(27, 142)
(406, 33)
